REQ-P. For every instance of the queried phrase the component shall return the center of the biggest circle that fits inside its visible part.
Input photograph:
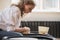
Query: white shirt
(10, 18)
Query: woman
(11, 17)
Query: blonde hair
(28, 2)
(21, 4)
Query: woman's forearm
(19, 30)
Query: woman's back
(7, 16)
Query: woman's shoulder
(15, 8)
(11, 8)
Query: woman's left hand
(26, 30)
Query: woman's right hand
(24, 30)
(19, 29)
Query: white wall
(43, 16)
(4, 4)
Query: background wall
(4, 4)
(43, 16)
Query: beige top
(10, 18)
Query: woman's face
(28, 8)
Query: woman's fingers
(24, 30)
(27, 28)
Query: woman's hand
(24, 30)
(18, 29)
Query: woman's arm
(9, 18)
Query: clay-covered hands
(24, 30)
(27, 30)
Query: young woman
(11, 17)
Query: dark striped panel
(53, 25)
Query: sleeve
(16, 17)
(10, 18)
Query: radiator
(53, 25)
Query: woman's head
(26, 5)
